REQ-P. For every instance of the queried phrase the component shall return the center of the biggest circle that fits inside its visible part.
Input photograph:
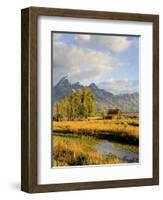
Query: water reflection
(121, 150)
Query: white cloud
(81, 64)
(116, 44)
(120, 86)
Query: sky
(109, 61)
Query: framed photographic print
(90, 99)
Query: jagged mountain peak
(77, 86)
(63, 81)
(125, 102)
(77, 83)
(93, 85)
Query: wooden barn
(114, 113)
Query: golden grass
(100, 128)
(67, 152)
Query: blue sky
(110, 61)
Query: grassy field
(126, 130)
(74, 141)
(81, 151)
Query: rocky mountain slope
(125, 102)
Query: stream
(126, 152)
(121, 150)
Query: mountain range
(128, 102)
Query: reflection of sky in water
(107, 147)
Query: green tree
(78, 105)
(103, 111)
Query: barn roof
(114, 111)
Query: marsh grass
(74, 142)
(120, 130)
(127, 147)
(68, 152)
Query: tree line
(79, 105)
